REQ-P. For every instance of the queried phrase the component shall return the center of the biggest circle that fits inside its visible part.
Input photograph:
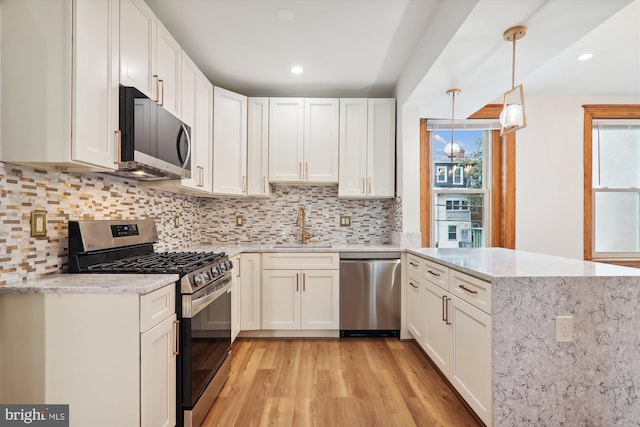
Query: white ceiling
(364, 47)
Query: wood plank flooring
(331, 382)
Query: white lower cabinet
(416, 309)
(300, 298)
(236, 286)
(88, 350)
(250, 292)
(438, 341)
(454, 332)
(471, 363)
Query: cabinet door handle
(444, 303)
(161, 85)
(446, 306)
(300, 170)
(433, 273)
(413, 264)
(238, 268)
(362, 184)
(264, 184)
(297, 282)
(304, 282)
(176, 328)
(118, 146)
(155, 76)
(369, 185)
(464, 288)
(306, 166)
(413, 286)
(244, 183)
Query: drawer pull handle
(297, 282)
(413, 264)
(444, 303)
(414, 286)
(446, 306)
(433, 273)
(471, 291)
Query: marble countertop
(92, 284)
(489, 263)
(232, 250)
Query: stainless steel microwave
(154, 144)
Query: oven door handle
(199, 304)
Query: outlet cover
(564, 329)
(38, 224)
(239, 220)
(345, 221)
(176, 221)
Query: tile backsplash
(72, 196)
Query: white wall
(408, 176)
(549, 174)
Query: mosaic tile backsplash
(76, 196)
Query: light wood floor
(331, 383)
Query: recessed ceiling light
(585, 56)
(285, 15)
(296, 69)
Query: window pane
(458, 165)
(616, 157)
(459, 220)
(617, 221)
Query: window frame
(503, 185)
(595, 112)
(458, 173)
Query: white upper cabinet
(303, 140)
(60, 92)
(202, 138)
(286, 124)
(137, 47)
(367, 148)
(167, 68)
(258, 147)
(321, 140)
(149, 56)
(229, 142)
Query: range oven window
(207, 341)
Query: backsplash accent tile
(73, 196)
(273, 220)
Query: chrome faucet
(302, 223)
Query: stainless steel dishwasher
(369, 294)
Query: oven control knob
(215, 272)
(223, 267)
(230, 265)
(198, 279)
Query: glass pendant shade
(513, 117)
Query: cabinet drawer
(157, 306)
(436, 273)
(296, 261)
(414, 265)
(472, 290)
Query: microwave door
(172, 141)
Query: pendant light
(452, 149)
(512, 117)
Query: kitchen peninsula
(592, 380)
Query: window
(460, 203)
(458, 176)
(615, 182)
(453, 232)
(441, 175)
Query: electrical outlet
(564, 329)
(239, 220)
(38, 224)
(345, 221)
(176, 221)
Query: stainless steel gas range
(203, 303)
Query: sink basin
(300, 245)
